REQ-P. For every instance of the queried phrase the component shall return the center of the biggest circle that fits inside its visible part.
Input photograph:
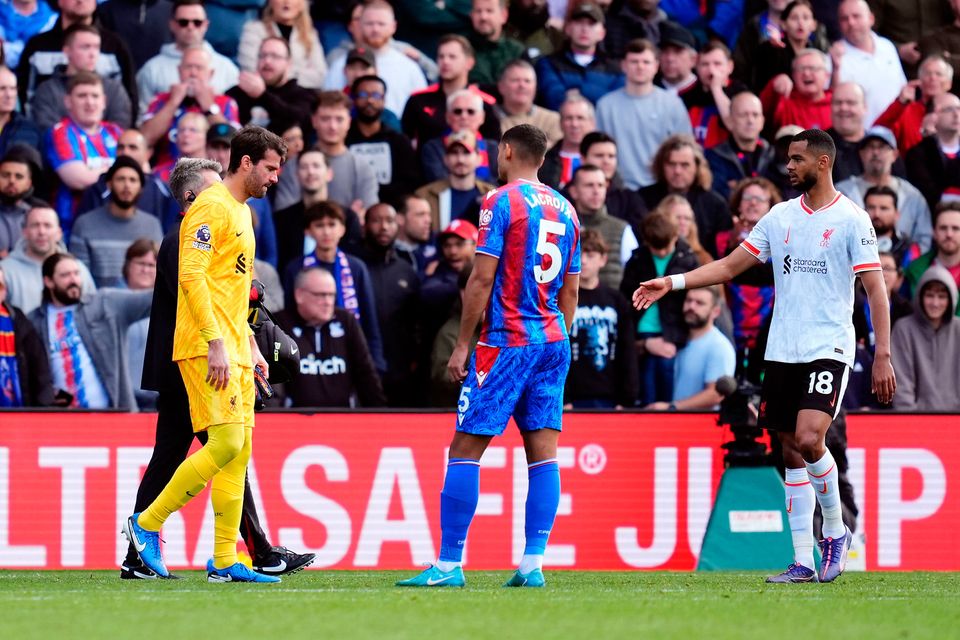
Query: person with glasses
(465, 114)
(101, 237)
(801, 98)
(189, 25)
(270, 96)
(290, 21)
(389, 152)
(140, 274)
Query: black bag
(278, 349)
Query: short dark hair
(330, 99)
(403, 202)
(528, 141)
(658, 230)
(254, 142)
(818, 142)
(322, 210)
(81, 78)
(584, 168)
(138, 248)
(595, 137)
(881, 190)
(50, 263)
(591, 240)
(71, 32)
(641, 45)
(367, 78)
(463, 42)
(945, 206)
(716, 45)
(184, 3)
(286, 45)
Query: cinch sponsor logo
(311, 366)
(803, 265)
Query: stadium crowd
(668, 123)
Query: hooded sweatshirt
(927, 360)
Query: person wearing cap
(439, 293)
(19, 167)
(425, 116)
(744, 154)
(271, 97)
(878, 152)
(518, 88)
(194, 93)
(635, 19)
(905, 115)
(458, 195)
(100, 237)
(14, 126)
(377, 27)
(389, 152)
(494, 49)
(641, 115)
(582, 64)
(678, 59)
(325, 223)
(81, 46)
(189, 25)
(290, 21)
(356, 185)
(465, 114)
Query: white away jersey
(816, 256)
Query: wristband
(679, 282)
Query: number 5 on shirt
(548, 249)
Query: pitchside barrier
(361, 490)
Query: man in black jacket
(660, 330)
(25, 379)
(160, 373)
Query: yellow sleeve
(199, 235)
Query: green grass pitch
(353, 604)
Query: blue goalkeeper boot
(237, 572)
(533, 579)
(433, 577)
(147, 544)
(833, 556)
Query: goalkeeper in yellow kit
(216, 353)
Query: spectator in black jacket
(336, 369)
(660, 330)
(603, 363)
(396, 288)
(389, 152)
(24, 369)
(680, 167)
(599, 149)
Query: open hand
(650, 291)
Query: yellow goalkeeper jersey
(216, 267)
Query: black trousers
(173, 439)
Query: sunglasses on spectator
(752, 198)
(370, 95)
(459, 111)
(184, 22)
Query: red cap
(461, 229)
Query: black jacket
(551, 168)
(710, 212)
(145, 25)
(160, 372)
(334, 363)
(287, 105)
(932, 172)
(393, 148)
(640, 267)
(33, 367)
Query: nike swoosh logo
(277, 568)
(191, 494)
(294, 349)
(787, 240)
(824, 487)
(833, 400)
(239, 233)
(432, 583)
(790, 506)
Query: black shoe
(137, 571)
(281, 561)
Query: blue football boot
(532, 579)
(237, 572)
(147, 544)
(833, 556)
(433, 577)
(795, 573)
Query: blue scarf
(10, 395)
(343, 276)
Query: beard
(68, 295)
(882, 229)
(367, 117)
(123, 204)
(694, 321)
(11, 200)
(806, 183)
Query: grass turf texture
(319, 604)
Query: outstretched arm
(715, 272)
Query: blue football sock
(458, 503)
(543, 498)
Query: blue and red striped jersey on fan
(535, 233)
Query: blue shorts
(525, 382)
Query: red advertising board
(362, 490)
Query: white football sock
(529, 562)
(446, 565)
(800, 505)
(823, 476)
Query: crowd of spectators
(668, 124)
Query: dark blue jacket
(725, 165)
(20, 130)
(559, 72)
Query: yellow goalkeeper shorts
(209, 407)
